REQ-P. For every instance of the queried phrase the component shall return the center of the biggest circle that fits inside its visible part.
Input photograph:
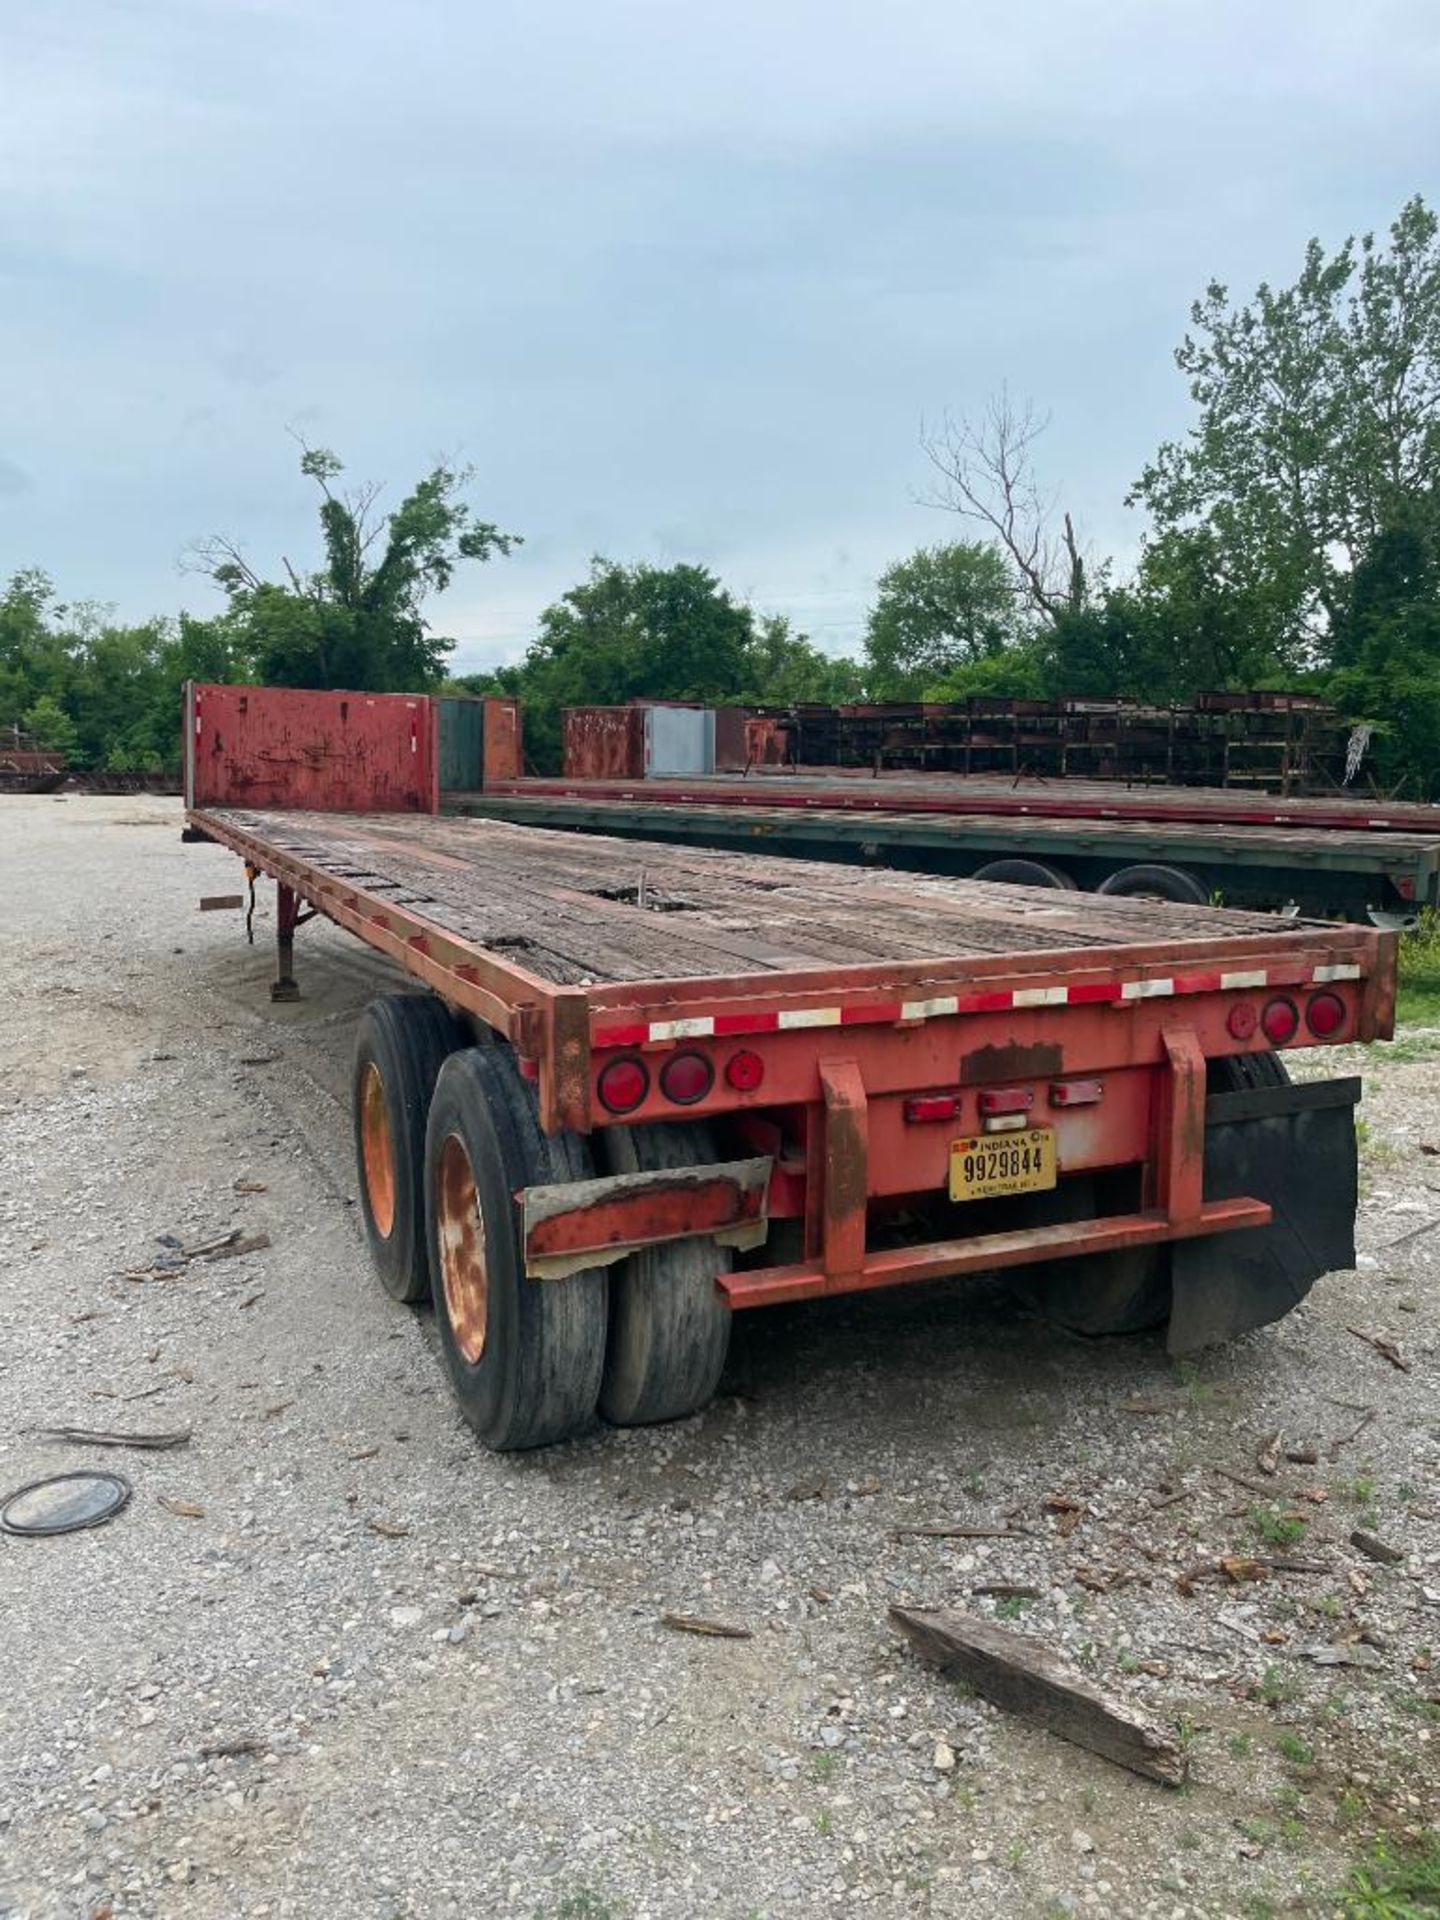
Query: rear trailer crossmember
(569, 1228)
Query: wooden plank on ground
(1026, 1678)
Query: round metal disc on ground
(65, 1503)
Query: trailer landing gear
(288, 916)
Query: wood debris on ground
(112, 1437)
(184, 1509)
(707, 1629)
(1025, 1677)
(1382, 1346)
(1374, 1549)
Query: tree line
(1292, 538)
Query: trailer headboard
(298, 747)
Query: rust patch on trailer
(1011, 1061)
(377, 1151)
(591, 1220)
(464, 1266)
(847, 1167)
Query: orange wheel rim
(464, 1271)
(377, 1150)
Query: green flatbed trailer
(1338, 872)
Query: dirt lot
(335, 1658)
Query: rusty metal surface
(603, 743)
(464, 1259)
(846, 1170)
(377, 1150)
(988, 1253)
(502, 738)
(289, 747)
(612, 1214)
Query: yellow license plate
(993, 1164)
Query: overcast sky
(681, 280)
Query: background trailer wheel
(669, 1327)
(1024, 873)
(1099, 1293)
(524, 1356)
(1147, 882)
(403, 1041)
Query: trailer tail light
(623, 1085)
(932, 1106)
(686, 1078)
(1280, 1021)
(1075, 1093)
(744, 1070)
(1242, 1020)
(1325, 1014)
(1007, 1100)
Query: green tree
(943, 608)
(660, 633)
(51, 725)
(358, 620)
(1318, 420)
(1390, 652)
(785, 669)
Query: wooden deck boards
(564, 905)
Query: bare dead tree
(987, 474)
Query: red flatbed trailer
(661, 1084)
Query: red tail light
(1325, 1014)
(1242, 1020)
(1281, 1022)
(622, 1085)
(744, 1070)
(932, 1106)
(686, 1078)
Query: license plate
(993, 1164)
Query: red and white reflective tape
(721, 1026)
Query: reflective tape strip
(809, 1017)
(929, 1009)
(1040, 996)
(941, 1006)
(700, 1028)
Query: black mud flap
(1295, 1147)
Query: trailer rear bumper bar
(989, 1253)
(590, 1223)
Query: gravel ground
(335, 1658)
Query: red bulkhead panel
(331, 752)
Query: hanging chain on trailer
(252, 874)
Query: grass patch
(1394, 1883)
(1276, 1687)
(1294, 1749)
(1417, 1003)
(1276, 1527)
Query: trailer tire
(669, 1326)
(524, 1356)
(1024, 873)
(1095, 1294)
(1239, 1072)
(403, 1041)
(1155, 883)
